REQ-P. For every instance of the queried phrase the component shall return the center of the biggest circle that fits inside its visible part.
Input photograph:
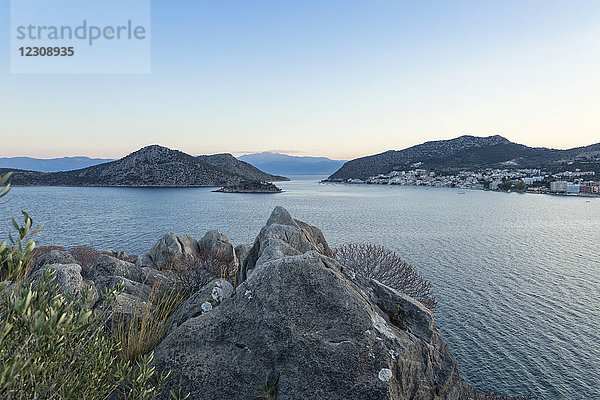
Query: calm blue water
(517, 276)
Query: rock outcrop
(53, 257)
(169, 247)
(299, 325)
(201, 302)
(106, 265)
(218, 243)
(67, 278)
(304, 327)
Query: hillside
(470, 152)
(50, 164)
(276, 163)
(229, 163)
(150, 166)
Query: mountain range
(51, 164)
(468, 153)
(151, 166)
(283, 164)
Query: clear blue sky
(334, 78)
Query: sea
(517, 276)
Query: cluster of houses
(531, 180)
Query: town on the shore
(572, 183)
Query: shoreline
(463, 188)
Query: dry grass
(147, 326)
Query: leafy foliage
(54, 346)
(15, 256)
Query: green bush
(54, 346)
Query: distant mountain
(276, 163)
(229, 163)
(50, 164)
(470, 152)
(149, 166)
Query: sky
(340, 79)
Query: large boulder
(145, 261)
(106, 265)
(66, 276)
(216, 242)
(166, 279)
(302, 326)
(68, 279)
(171, 247)
(204, 300)
(167, 248)
(53, 257)
(281, 236)
(131, 302)
(189, 246)
(133, 288)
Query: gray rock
(106, 265)
(241, 252)
(189, 246)
(121, 254)
(281, 226)
(127, 307)
(133, 288)
(281, 216)
(315, 237)
(170, 248)
(204, 300)
(407, 312)
(68, 279)
(301, 323)
(145, 261)
(167, 248)
(166, 279)
(53, 257)
(66, 276)
(131, 302)
(217, 242)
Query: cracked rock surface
(298, 315)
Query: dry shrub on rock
(198, 270)
(470, 393)
(384, 265)
(86, 255)
(41, 250)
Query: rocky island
(151, 166)
(251, 187)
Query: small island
(252, 186)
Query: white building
(531, 180)
(559, 186)
(573, 189)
